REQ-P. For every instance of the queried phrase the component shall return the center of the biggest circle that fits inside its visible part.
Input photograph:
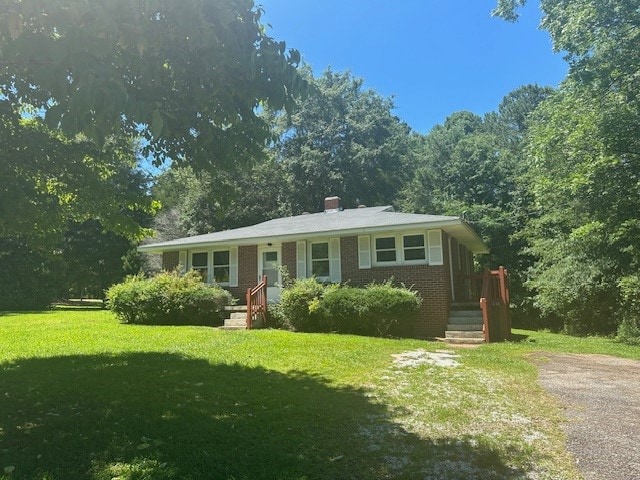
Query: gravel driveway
(601, 397)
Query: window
(199, 263)
(320, 260)
(221, 267)
(414, 248)
(386, 250)
(270, 266)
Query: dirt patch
(601, 398)
(440, 358)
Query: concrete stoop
(465, 325)
(238, 319)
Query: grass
(85, 397)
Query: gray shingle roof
(357, 221)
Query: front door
(269, 261)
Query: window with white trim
(200, 263)
(320, 260)
(414, 248)
(221, 267)
(410, 248)
(386, 249)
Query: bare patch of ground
(601, 398)
(440, 358)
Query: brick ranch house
(431, 254)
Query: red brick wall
(247, 271)
(170, 260)
(289, 258)
(432, 282)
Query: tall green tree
(193, 72)
(93, 259)
(474, 167)
(47, 181)
(585, 168)
(344, 140)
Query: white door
(269, 261)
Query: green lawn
(85, 397)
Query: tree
(587, 191)
(473, 167)
(188, 75)
(585, 167)
(47, 181)
(93, 259)
(344, 140)
(205, 202)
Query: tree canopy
(187, 75)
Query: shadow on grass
(518, 337)
(161, 416)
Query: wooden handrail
(494, 304)
(257, 302)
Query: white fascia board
(455, 226)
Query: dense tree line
(86, 88)
(550, 179)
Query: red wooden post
(249, 308)
(485, 319)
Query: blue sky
(434, 57)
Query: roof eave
(469, 236)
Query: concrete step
(238, 315)
(464, 320)
(236, 322)
(465, 305)
(235, 308)
(463, 334)
(465, 326)
(466, 313)
(463, 341)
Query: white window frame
(399, 249)
(374, 250)
(421, 261)
(323, 278)
(335, 267)
(198, 268)
(213, 266)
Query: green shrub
(168, 299)
(346, 310)
(297, 305)
(390, 306)
(311, 307)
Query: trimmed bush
(295, 302)
(168, 299)
(390, 306)
(312, 307)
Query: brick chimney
(332, 204)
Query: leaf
(157, 123)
